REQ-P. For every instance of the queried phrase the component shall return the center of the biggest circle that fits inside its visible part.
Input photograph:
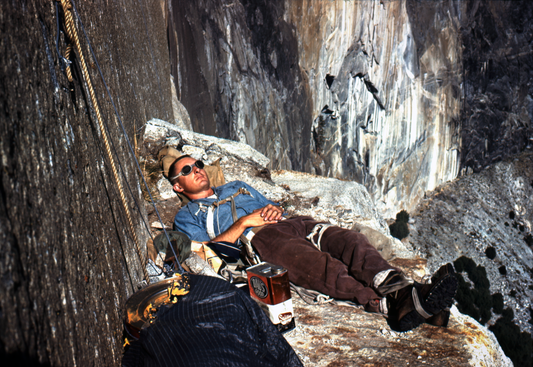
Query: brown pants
(344, 269)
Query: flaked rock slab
(340, 334)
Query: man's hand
(271, 213)
(266, 215)
(259, 217)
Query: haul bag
(215, 324)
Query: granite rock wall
(67, 261)
(498, 68)
(486, 217)
(400, 96)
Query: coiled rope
(73, 36)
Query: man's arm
(266, 215)
(186, 222)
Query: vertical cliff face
(398, 95)
(67, 261)
(237, 73)
(498, 62)
(334, 88)
(385, 111)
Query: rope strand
(180, 269)
(73, 36)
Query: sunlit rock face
(400, 96)
(333, 88)
(384, 115)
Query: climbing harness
(246, 240)
(71, 32)
(211, 209)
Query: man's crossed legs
(348, 267)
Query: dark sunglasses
(186, 170)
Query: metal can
(270, 288)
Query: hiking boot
(394, 281)
(378, 306)
(443, 270)
(411, 306)
(443, 317)
(440, 319)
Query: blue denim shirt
(192, 219)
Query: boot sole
(440, 297)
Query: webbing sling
(250, 253)
(320, 228)
(210, 223)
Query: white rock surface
(484, 348)
(181, 116)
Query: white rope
(380, 277)
(310, 296)
(320, 228)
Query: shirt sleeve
(193, 226)
(259, 197)
(193, 222)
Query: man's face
(195, 182)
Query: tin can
(270, 288)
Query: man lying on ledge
(335, 261)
